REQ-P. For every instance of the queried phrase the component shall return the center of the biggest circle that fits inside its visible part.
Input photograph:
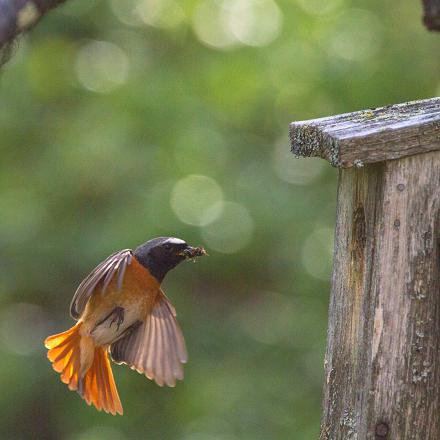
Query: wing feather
(124, 263)
(156, 347)
(177, 370)
(171, 356)
(103, 273)
(157, 351)
(145, 358)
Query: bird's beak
(192, 252)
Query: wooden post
(382, 364)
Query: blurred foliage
(125, 120)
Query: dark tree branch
(432, 14)
(17, 16)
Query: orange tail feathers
(96, 385)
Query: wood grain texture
(369, 136)
(383, 356)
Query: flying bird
(121, 310)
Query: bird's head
(162, 254)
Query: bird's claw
(117, 317)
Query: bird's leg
(117, 316)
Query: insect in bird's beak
(192, 252)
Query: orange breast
(138, 283)
(136, 298)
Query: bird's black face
(162, 254)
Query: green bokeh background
(103, 114)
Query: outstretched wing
(103, 273)
(154, 347)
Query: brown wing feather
(104, 272)
(156, 347)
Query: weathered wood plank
(374, 135)
(383, 356)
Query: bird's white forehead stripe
(175, 241)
